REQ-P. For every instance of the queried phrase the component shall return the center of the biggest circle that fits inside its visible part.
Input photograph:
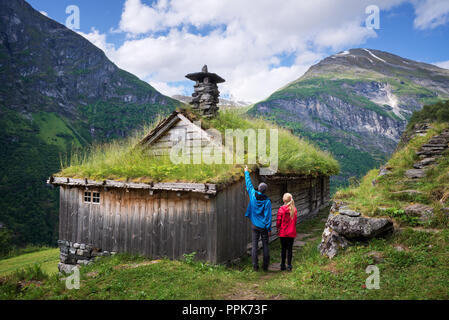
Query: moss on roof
(121, 160)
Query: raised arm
(249, 185)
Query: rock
(422, 211)
(424, 162)
(84, 262)
(65, 268)
(76, 245)
(341, 228)
(415, 173)
(377, 256)
(408, 192)
(350, 213)
(383, 171)
(63, 258)
(337, 205)
(82, 246)
(401, 247)
(64, 250)
(360, 228)
(332, 243)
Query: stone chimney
(205, 97)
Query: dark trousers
(287, 250)
(257, 234)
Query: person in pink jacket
(286, 227)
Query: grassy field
(418, 270)
(48, 259)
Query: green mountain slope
(356, 104)
(57, 92)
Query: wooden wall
(233, 228)
(169, 224)
(161, 225)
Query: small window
(92, 197)
(96, 197)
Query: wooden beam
(169, 186)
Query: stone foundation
(77, 254)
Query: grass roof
(121, 160)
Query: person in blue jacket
(259, 212)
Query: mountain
(223, 102)
(356, 104)
(57, 92)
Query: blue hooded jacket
(259, 207)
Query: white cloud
(99, 40)
(430, 13)
(442, 64)
(348, 35)
(246, 42)
(168, 90)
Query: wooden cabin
(171, 219)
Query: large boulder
(360, 227)
(331, 243)
(344, 225)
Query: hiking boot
(256, 268)
(283, 268)
(289, 267)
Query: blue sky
(257, 46)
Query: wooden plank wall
(161, 225)
(169, 224)
(233, 228)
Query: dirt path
(252, 290)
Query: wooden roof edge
(291, 176)
(163, 123)
(158, 127)
(206, 188)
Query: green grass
(121, 160)
(53, 130)
(436, 112)
(48, 258)
(419, 272)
